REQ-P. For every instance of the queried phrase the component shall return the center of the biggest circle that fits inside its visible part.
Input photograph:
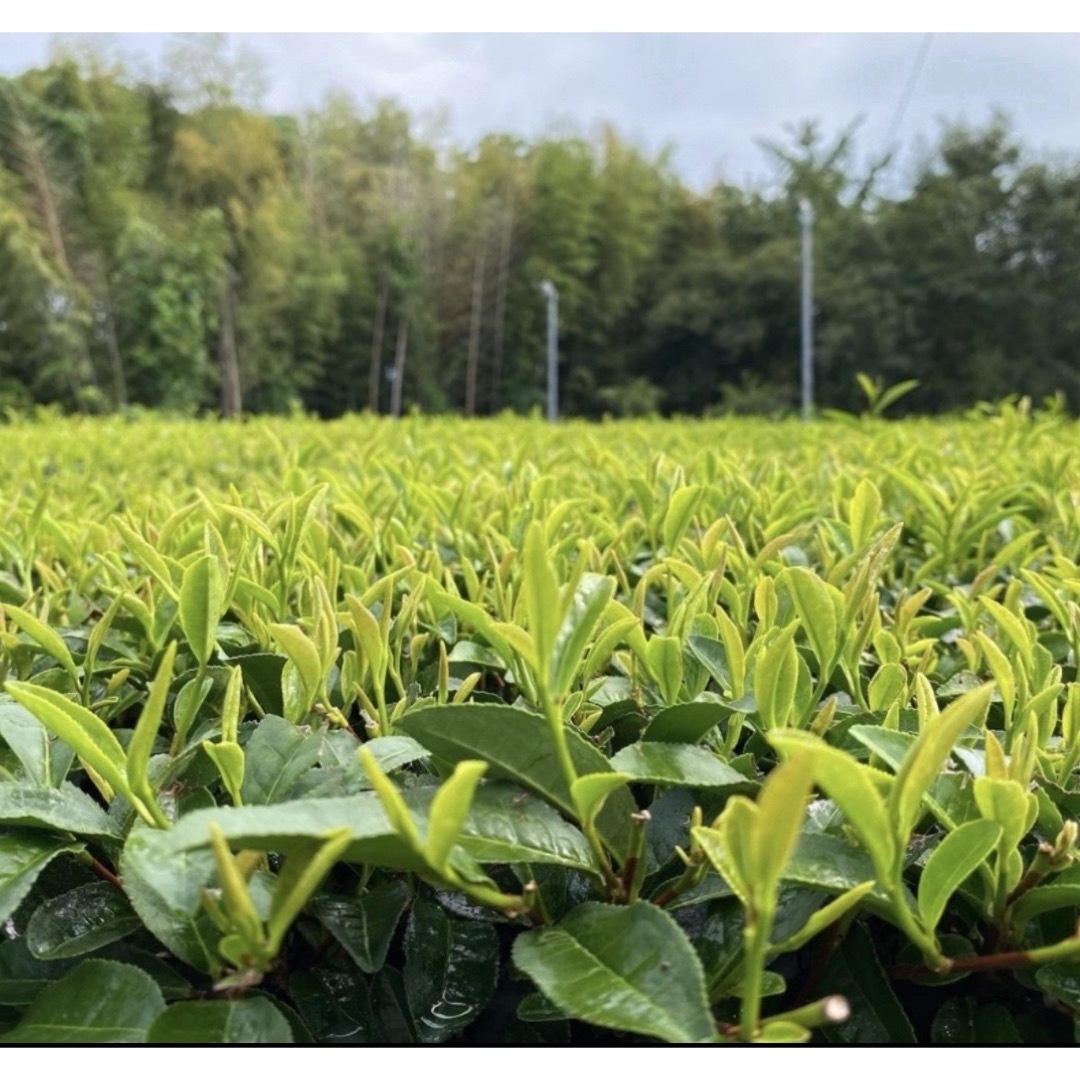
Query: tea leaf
(80, 921)
(450, 970)
(250, 1020)
(101, 1001)
(630, 968)
(23, 856)
(676, 763)
(202, 595)
(517, 746)
(950, 863)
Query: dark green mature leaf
(855, 971)
(687, 723)
(66, 809)
(23, 976)
(510, 825)
(163, 884)
(962, 1021)
(677, 763)
(518, 747)
(393, 751)
(80, 921)
(630, 968)
(344, 1007)
(828, 862)
(1063, 981)
(251, 1020)
(364, 925)
(44, 757)
(451, 966)
(275, 757)
(101, 1001)
(23, 856)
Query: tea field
(497, 731)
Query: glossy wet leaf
(450, 970)
(630, 968)
(856, 972)
(164, 886)
(23, 856)
(247, 1021)
(962, 1021)
(101, 1001)
(364, 925)
(62, 809)
(80, 921)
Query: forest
(166, 244)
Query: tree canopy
(172, 246)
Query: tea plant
(419, 732)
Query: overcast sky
(710, 96)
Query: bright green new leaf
(851, 787)
(45, 637)
(587, 607)
(776, 676)
(951, 862)
(299, 878)
(863, 513)
(449, 808)
(817, 612)
(390, 798)
(665, 665)
(1007, 803)
(202, 595)
(305, 659)
(589, 792)
(87, 734)
(141, 745)
(45, 758)
(929, 753)
(540, 593)
(781, 805)
(228, 759)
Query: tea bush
(702, 731)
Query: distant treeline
(168, 245)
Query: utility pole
(806, 219)
(552, 294)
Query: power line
(909, 88)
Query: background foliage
(169, 245)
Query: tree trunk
(399, 367)
(501, 290)
(376, 346)
(473, 361)
(231, 399)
